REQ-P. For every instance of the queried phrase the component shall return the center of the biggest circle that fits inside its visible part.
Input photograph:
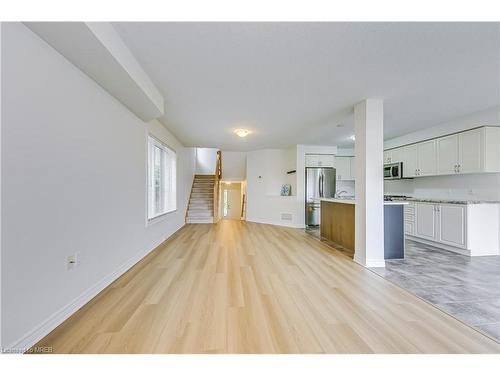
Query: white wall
(234, 165)
(485, 186)
(266, 173)
(205, 160)
(73, 180)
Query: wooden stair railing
(218, 178)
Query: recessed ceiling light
(242, 132)
(353, 137)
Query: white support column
(369, 150)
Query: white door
(452, 222)
(343, 168)
(447, 154)
(409, 156)
(425, 221)
(231, 203)
(426, 158)
(471, 146)
(352, 161)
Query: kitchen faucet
(337, 193)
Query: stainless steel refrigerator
(320, 183)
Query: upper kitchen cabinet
(353, 168)
(409, 159)
(491, 145)
(320, 160)
(397, 155)
(387, 156)
(447, 154)
(426, 158)
(394, 155)
(472, 151)
(344, 166)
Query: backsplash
(347, 186)
(484, 186)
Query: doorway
(231, 200)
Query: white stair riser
(207, 220)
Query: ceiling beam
(97, 50)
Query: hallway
(239, 287)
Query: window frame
(169, 188)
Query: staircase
(201, 201)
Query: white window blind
(162, 163)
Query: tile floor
(468, 288)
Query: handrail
(218, 177)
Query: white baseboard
(370, 263)
(47, 326)
(272, 222)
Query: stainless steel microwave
(393, 171)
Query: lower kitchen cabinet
(451, 224)
(426, 221)
(469, 229)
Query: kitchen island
(337, 226)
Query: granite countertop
(353, 201)
(450, 201)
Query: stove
(390, 198)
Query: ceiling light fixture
(353, 137)
(242, 132)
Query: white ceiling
(292, 83)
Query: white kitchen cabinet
(426, 158)
(425, 221)
(409, 228)
(394, 155)
(491, 149)
(387, 156)
(397, 155)
(409, 156)
(447, 154)
(320, 160)
(461, 153)
(471, 149)
(469, 229)
(353, 167)
(343, 167)
(452, 224)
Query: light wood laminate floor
(238, 287)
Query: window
(162, 163)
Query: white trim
(369, 263)
(167, 154)
(48, 325)
(272, 222)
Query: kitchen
(448, 187)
